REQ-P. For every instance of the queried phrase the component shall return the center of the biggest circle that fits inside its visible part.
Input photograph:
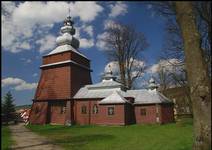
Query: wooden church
(66, 95)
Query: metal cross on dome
(68, 20)
(69, 11)
(110, 70)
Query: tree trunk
(198, 78)
(129, 80)
(122, 73)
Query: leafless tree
(124, 45)
(188, 16)
(173, 45)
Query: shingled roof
(114, 98)
(106, 90)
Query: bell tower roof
(66, 41)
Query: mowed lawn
(6, 140)
(133, 137)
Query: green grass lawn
(133, 137)
(6, 140)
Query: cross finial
(110, 69)
(69, 11)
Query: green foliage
(6, 139)
(8, 108)
(135, 137)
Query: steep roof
(114, 98)
(64, 48)
(66, 41)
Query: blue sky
(29, 30)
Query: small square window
(83, 110)
(110, 110)
(143, 112)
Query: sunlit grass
(133, 137)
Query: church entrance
(56, 112)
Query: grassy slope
(6, 140)
(135, 137)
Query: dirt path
(27, 140)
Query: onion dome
(108, 76)
(67, 32)
(66, 41)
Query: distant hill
(22, 107)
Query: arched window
(95, 109)
(63, 110)
(83, 110)
(110, 110)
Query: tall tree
(198, 77)
(194, 22)
(124, 46)
(8, 108)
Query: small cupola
(108, 76)
(152, 84)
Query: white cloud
(88, 30)
(25, 45)
(25, 86)
(101, 44)
(25, 23)
(86, 43)
(170, 65)
(8, 6)
(52, 12)
(10, 81)
(87, 11)
(118, 9)
(108, 23)
(46, 43)
(31, 13)
(18, 84)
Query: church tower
(63, 72)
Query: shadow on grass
(31, 146)
(82, 140)
(48, 128)
(45, 128)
